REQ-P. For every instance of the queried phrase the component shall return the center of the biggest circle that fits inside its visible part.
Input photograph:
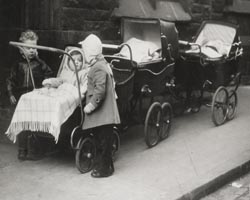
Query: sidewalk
(196, 159)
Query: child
(67, 73)
(19, 82)
(101, 108)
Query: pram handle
(110, 46)
(117, 47)
(183, 42)
(186, 43)
(17, 44)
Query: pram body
(210, 64)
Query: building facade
(62, 22)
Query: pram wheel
(232, 103)
(166, 120)
(220, 106)
(153, 124)
(115, 143)
(85, 155)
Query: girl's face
(78, 60)
(30, 52)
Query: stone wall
(88, 16)
(201, 10)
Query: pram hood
(150, 30)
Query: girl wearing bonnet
(101, 112)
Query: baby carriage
(48, 112)
(143, 67)
(209, 64)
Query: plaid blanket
(44, 110)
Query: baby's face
(30, 52)
(78, 61)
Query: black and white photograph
(124, 99)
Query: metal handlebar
(186, 43)
(117, 47)
(20, 44)
(110, 46)
(183, 42)
(130, 52)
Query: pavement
(195, 160)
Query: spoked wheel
(85, 155)
(220, 106)
(232, 103)
(166, 120)
(153, 124)
(115, 143)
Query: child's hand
(88, 108)
(52, 82)
(12, 100)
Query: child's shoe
(102, 173)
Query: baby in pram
(67, 74)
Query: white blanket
(44, 110)
(142, 51)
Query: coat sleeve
(99, 80)
(46, 70)
(12, 79)
(83, 82)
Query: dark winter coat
(20, 82)
(101, 94)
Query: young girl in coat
(101, 111)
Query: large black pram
(143, 68)
(210, 64)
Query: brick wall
(201, 10)
(88, 16)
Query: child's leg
(23, 144)
(34, 149)
(104, 166)
(107, 151)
